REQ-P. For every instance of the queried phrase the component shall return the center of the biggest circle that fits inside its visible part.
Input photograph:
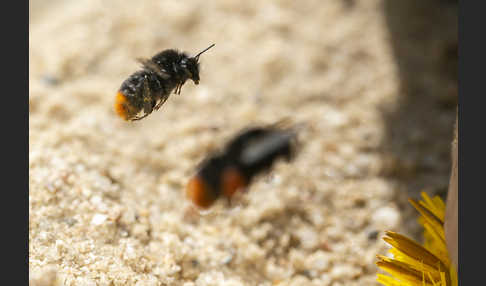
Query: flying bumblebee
(251, 152)
(148, 89)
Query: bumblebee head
(191, 66)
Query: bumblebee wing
(149, 64)
(267, 148)
(236, 145)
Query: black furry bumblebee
(251, 152)
(148, 89)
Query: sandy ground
(106, 204)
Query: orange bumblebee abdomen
(232, 181)
(122, 106)
(199, 193)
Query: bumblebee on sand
(148, 89)
(251, 152)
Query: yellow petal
(439, 203)
(417, 265)
(433, 273)
(453, 275)
(412, 249)
(434, 206)
(437, 246)
(402, 272)
(389, 281)
(429, 218)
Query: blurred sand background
(374, 82)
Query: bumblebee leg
(148, 105)
(162, 101)
(140, 117)
(180, 86)
(148, 101)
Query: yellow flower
(416, 265)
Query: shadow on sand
(419, 128)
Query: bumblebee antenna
(197, 56)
